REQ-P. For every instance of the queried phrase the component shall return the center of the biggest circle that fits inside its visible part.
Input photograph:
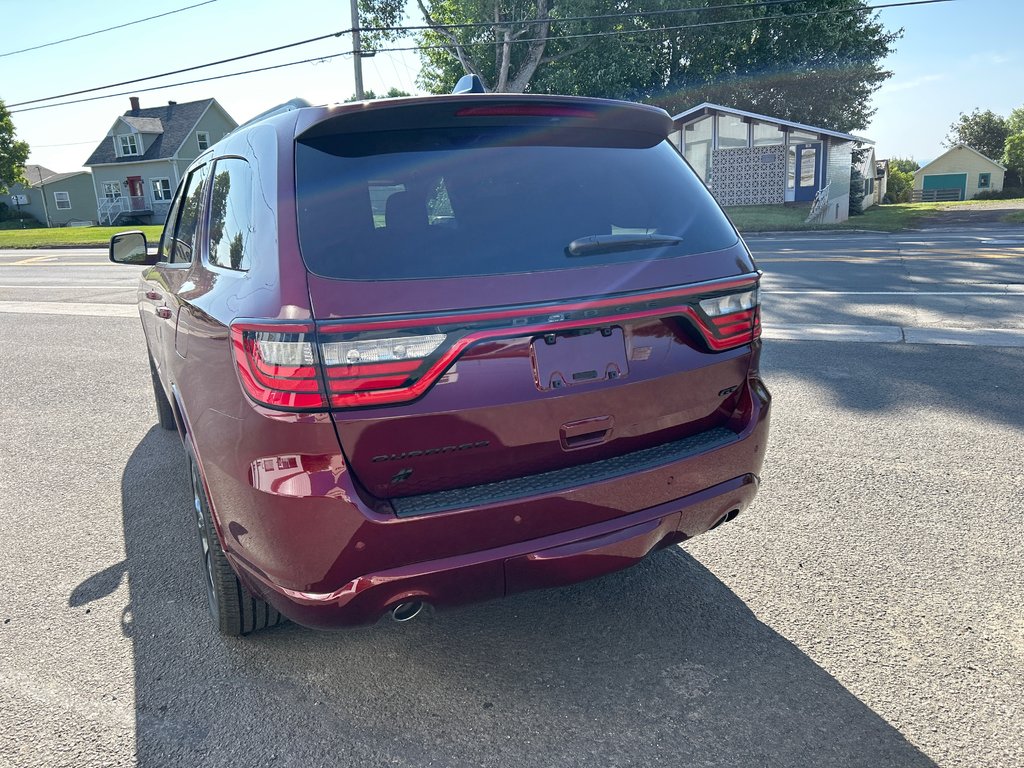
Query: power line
(107, 29)
(180, 71)
(697, 25)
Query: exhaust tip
(407, 611)
(730, 515)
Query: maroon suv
(440, 350)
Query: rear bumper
(559, 559)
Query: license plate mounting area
(562, 360)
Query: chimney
(135, 103)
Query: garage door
(947, 181)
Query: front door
(135, 192)
(808, 171)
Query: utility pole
(42, 191)
(357, 55)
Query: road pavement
(866, 611)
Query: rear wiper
(585, 246)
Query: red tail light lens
(278, 364)
(733, 319)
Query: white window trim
(119, 145)
(65, 199)
(199, 143)
(153, 189)
(112, 184)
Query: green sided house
(136, 168)
(958, 174)
(55, 199)
(751, 159)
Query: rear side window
(179, 240)
(231, 213)
(449, 203)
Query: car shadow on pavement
(658, 665)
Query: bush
(1009, 193)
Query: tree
(13, 153)
(856, 192)
(1015, 122)
(393, 93)
(904, 164)
(984, 131)
(813, 61)
(900, 185)
(1013, 155)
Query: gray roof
(145, 124)
(36, 172)
(706, 108)
(178, 121)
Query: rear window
(449, 203)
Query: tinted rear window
(448, 203)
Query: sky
(953, 57)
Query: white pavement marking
(975, 337)
(886, 334)
(68, 308)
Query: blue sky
(953, 57)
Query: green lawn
(56, 237)
(790, 217)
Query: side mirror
(130, 248)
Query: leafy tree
(393, 93)
(813, 61)
(984, 131)
(905, 164)
(1015, 122)
(1013, 156)
(13, 153)
(900, 185)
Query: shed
(960, 173)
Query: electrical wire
(107, 29)
(372, 52)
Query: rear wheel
(164, 412)
(234, 610)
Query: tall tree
(1013, 158)
(814, 61)
(984, 131)
(13, 153)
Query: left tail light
(278, 364)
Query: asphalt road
(865, 612)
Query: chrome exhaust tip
(407, 611)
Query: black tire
(234, 610)
(164, 412)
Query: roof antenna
(469, 84)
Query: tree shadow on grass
(658, 665)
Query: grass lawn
(790, 217)
(82, 237)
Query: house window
(129, 144)
(204, 140)
(63, 200)
(766, 135)
(161, 189)
(732, 132)
(112, 190)
(984, 180)
(698, 146)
